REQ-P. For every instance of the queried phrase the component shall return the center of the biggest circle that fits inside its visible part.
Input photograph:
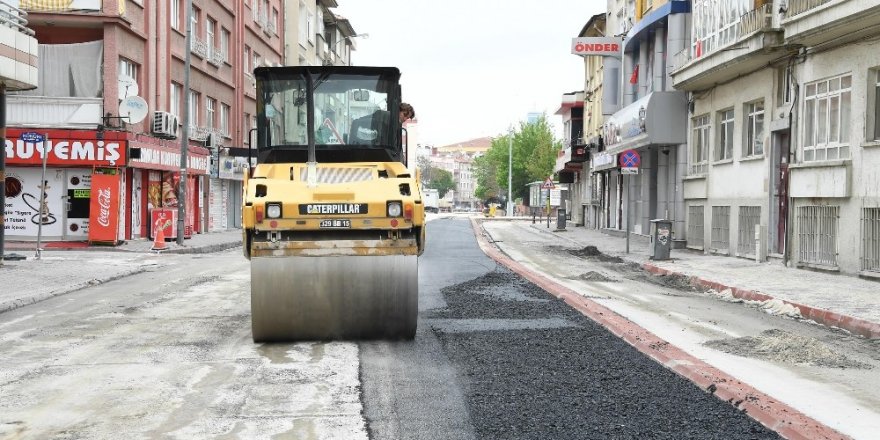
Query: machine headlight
(394, 209)
(273, 210)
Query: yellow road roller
(332, 218)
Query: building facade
(791, 118)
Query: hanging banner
(104, 209)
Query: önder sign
(602, 46)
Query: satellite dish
(128, 86)
(133, 109)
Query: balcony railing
(796, 7)
(270, 28)
(199, 47)
(681, 58)
(217, 58)
(10, 16)
(756, 20)
(56, 112)
(68, 6)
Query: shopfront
(656, 127)
(59, 204)
(225, 194)
(607, 191)
(155, 181)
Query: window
(210, 28)
(195, 20)
(724, 150)
(224, 119)
(826, 119)
(256, 10)
(311, 30)
(256, 60)
(176, 94)
(784, 89)
(876, 131)
(247, 60)
(175, 14)
(871, 239)
(193, 108)
(210, 105)
(303, 24)
(224, 44)
(274, 22)
(749, 217)
(127, 68)
(699, 145)
(754, 142)
(721, 229)
(320, 28)
(817, 234)
(246, 126)
(696, 229)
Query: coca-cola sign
(104, 208)
(104, 195)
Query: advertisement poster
(163, 190)
(79, 184)
(104, 212)
(24, 210)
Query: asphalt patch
(577, 381)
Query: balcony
(217, 58)
(810, 22)
(199, 47)
(18, 64)
(54, 112)
(736, 49)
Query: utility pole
(2, 169)
(510, 172)
(184, 142)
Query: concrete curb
(781, 418)
(852, 324)
(21, 302)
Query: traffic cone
(159, 243)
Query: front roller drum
(341, 297)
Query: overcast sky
(471, 68)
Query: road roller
(332, 219)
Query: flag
(634, 79)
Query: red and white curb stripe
(778, 416)
(851, 324)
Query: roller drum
(339, 297)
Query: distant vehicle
(431, 199)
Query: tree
(534, 155)
(441, 180)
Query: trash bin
(560, 218)
(661, 239)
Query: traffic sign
(548, 184)
(629, 170)
(630, 159)
(32, 137)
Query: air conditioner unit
(164, 125)
(212, 140)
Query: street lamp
(509, 170)
(349, 38)
(184, 142)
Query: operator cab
(347, 113)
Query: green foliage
(534, 155)
(441, 180)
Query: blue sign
(32, 137)
(630, 159)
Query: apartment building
(111, 103)
(783, 134)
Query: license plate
(336, 223)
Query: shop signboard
(65, 148)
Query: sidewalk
(68, 266)
(834, 300)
